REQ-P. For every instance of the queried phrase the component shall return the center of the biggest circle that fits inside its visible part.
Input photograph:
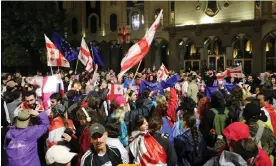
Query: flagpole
(51, 70)
(136, 72)
(76, 66)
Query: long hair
(190, 120)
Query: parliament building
(192, 34)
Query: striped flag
(85, 56)
(234, 72)
(138, 51)
(54, 56)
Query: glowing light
(206, 20)
(103, 33)
(83, 33)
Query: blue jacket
(21, 144)
(185, 149)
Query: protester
(99, 153)
(21, 139)
(190, 146)
(59, 155)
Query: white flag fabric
(115, 90)
(54, 56)
(162, 73)
(85, 56)
(138, 51)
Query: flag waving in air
(138, 51)
(54, 56)
(162, 74)
(85, 56)
(70, 53)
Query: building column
(258, 59)
(173, 57)
(83, 18)
(266, 9)
(181, 54)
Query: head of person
(145, 93)
(265, 97)
(77, 86)
(232, 80)
(189, 121)
(88, 117)
(98, 136)
(237, 93)
(250, 78)
(217, 100)
(94, 101)
(30, 99)
(247, 149)
(155, 124)
(131, 75)
(55, 99)
(253, 112)
(59, 155)
(234, 132)
(17, 94)
(23, 119)
(273, 80)
(113, 127)
(257, 90)
(58, 110)
(120, 102)
(187, 106)
(132, 95)
(141, 123)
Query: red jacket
(84, 142)
(262, 159)
(172, 106)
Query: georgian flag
(114, 91)
(54, 56)
(138, 51)
(85, 56)
(147, 150)
(163, 73)
(234, 72)
(47, 86)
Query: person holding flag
(85, 56)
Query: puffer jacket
(21, 144)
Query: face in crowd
(30, 101)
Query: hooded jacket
(21, 144)
(227, 159)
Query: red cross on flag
(138, 51)
(234, 72)
(85, 56)
(114, 91)
(54, 56)
(162, 73)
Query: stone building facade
(195, 34)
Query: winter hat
(119, 100)
(22, 120)
(59, 154)
(236, 131)
(252, 110)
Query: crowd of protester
(182, 127)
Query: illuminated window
(135, 21)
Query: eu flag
(159, 86)
(96, 56)
(69, 53)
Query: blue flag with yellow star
(69, 53)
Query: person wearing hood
(244, 153)
(21, 140)
(226, 146)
